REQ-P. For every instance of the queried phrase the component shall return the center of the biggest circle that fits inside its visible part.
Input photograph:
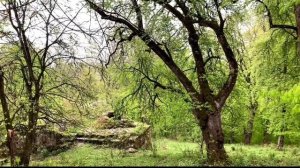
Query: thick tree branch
(233, 73)
(154, 46)
(193, 38)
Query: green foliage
(275, 70)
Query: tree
(246, 60)
(193, 18)
(283, 17)
(275, 76)
(282, 12)
(37, 33)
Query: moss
(140, 128)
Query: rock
(131, 150)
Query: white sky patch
(69, 20)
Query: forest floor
(169, 153)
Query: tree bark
(7, 119)
(25, 159)
(213, 136)
(31, 134)
(214, 139)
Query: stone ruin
(109, 131)
(114, 131)
(45, 139)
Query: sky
(76, 43)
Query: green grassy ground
(170, 153)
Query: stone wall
(109, 131)
(45, 139)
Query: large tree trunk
(30, 137)
(27, 149)
(31, 134)
(211, 127)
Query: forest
(149, 82)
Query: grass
(256, 155)
(170, 153)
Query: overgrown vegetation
(171, 153)
(217, 75)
